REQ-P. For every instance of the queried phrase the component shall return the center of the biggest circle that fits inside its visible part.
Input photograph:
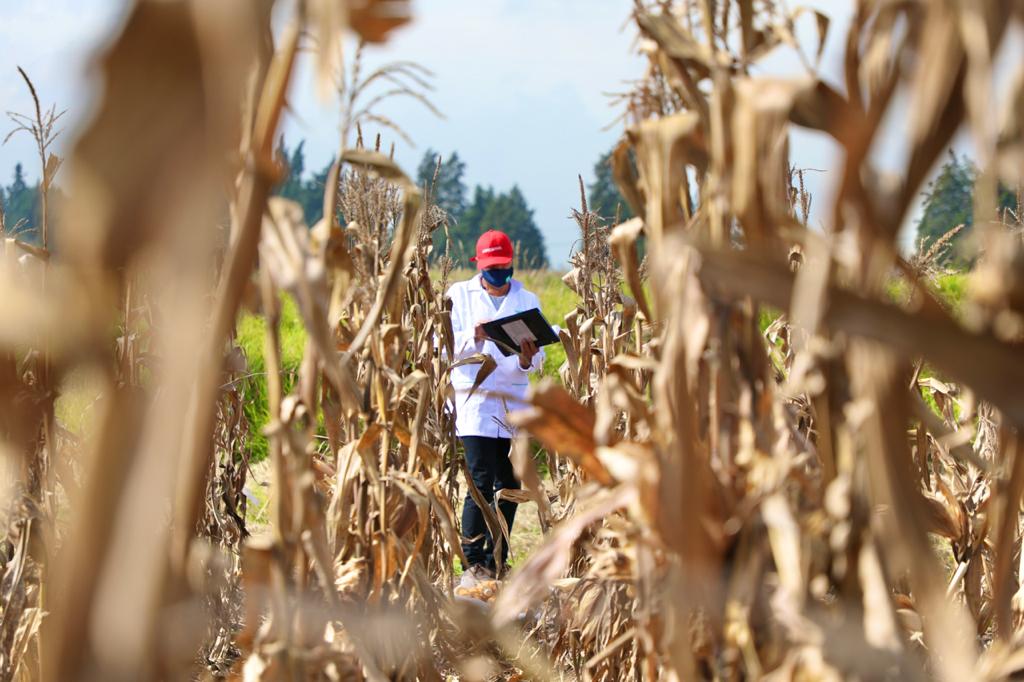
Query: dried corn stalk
(835, 497)
(786, 504)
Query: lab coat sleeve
(462, 328)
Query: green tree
(21, 207)
(449, 192)
(313, 195)
(469, 227)
(949, 202)
(307, 192)
(472, 217)
(603, 194)
(512, 215)
(294, 163)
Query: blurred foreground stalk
(761, 462)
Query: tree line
(948, 203)
(20, 207)
(468, 216)
(471, 211)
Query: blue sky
(523, 85)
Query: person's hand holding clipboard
(512, 333)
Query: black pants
(491, 470)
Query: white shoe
(474, 575)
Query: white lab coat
(483, 414)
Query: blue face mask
(498, 277)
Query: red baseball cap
(493, 248)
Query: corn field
(834, 496)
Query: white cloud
(522, 84)
(524, 46)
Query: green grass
(80, 391)
(949, 289)
(556, 301)
(252, 331)
(77, 399)
(952, 288)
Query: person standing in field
(480, 421)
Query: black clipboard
(534, 321)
